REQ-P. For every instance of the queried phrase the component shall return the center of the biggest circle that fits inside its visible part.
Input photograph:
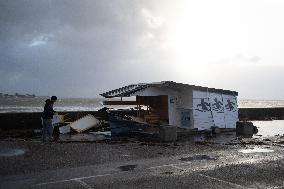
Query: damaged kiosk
(174, 105)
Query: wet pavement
(132, 165)
(9, 152)
(201, 161)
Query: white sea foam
(85, 104)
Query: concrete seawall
(261, 113)
(32, 120)
(10, 121)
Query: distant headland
(16, 95)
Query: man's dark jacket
(48, 111)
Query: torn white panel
(65, 129)
(57, 119)
(84, 123)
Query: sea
(36, 104)
(24, 104)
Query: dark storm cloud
(70, 47)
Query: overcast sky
(74, 48)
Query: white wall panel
(217, 109)
(202, 117)
(231, 111)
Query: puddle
(197, 157)
(255, 150)
(125, 155)
(167, 173)
(11, 152)
(127, 167)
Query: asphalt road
(228, 168)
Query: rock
(245, 128)
(216, 130)
(266, 139)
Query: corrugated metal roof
(128, 90)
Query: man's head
(53, 98)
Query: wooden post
(139, 110)
(137, 107)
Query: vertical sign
(185, 118)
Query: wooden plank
(120, 103)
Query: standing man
(47, 116)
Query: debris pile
(90, 128)
(86, 128)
